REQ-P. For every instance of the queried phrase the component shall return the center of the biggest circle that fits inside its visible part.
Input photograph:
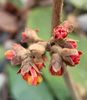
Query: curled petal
(33, 72)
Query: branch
(57, 11)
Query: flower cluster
(31, 60)
(63, 51)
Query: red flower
(71, 56)
(72, 43)
(59, 72)
(32, 77)
(10, 54)
(76, 58)
(60, 32)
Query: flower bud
(29, 35)
(10, 54)
(56, 65)
(71, 56)
(60, 32)
(76, 58)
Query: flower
(71, 56)
(60, 32)
(10, 54)
(59, 72)
(32, 76)
(76, 58)
(29, 36)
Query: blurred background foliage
(82, 4)
(53, 88)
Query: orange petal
(40, 79)
(26, 76)
(30, 80)
(10, 54)
(35, 81)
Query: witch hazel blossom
(30, 70)
(62, 49)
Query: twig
(57, 10)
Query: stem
(71, 86)
(57, 11)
